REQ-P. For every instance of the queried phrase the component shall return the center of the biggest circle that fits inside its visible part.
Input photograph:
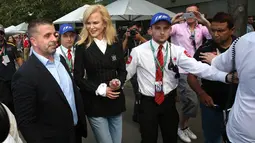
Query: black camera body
(133, 32)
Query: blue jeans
(212, 124)
(107, 129)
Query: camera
(133, 32)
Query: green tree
(14, 12)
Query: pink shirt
(180, 35)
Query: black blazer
(42, 111)
(100, 68)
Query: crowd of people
(69, 76)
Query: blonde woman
(101, 56)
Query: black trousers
(78, 137)
(153, 116)
(135, 86)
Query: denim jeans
(107, 129)
(212, 124)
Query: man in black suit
(47, 103)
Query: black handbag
(4, 123)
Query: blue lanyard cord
(156, 59)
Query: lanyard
(193, 35)
(3, 51)
(69, 63)
(156, 59)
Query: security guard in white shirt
(155, 63)
(67, 49)
(241, 123)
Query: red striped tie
(159, 96)
(69, 55)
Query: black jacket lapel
(48, 76)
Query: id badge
(158, 86)
(5, 59)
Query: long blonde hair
(109, 31)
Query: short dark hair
(224, 17)
(34, 23)
(132, 23)
(194, 4)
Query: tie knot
(160, 47)
(69, 50)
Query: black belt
(170, 94)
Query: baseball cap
(66, 28)
(160, 17)
(1, 28)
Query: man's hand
(201, 18)
(127, 34)
(176, 17)
(111, 94)
(206, 99)
(232, 78)
(139, 37)
(207, 57)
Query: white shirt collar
(65, 50)
(103, 41)
(46, 61)
(101, 44)
(156, 45)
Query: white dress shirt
(101, 44)
(143, 64)
(65, 52)
(241, 123)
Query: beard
(52, 43)
(52, 46)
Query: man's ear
(170, 29)
(33, 41)
(233, 30)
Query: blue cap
(66, 28)
(160, 17)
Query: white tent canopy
(12, 30)
(119, 10)
(75, 16)
(22, 26)
(135, 10)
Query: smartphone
(188, 15)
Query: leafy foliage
(13, 12)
